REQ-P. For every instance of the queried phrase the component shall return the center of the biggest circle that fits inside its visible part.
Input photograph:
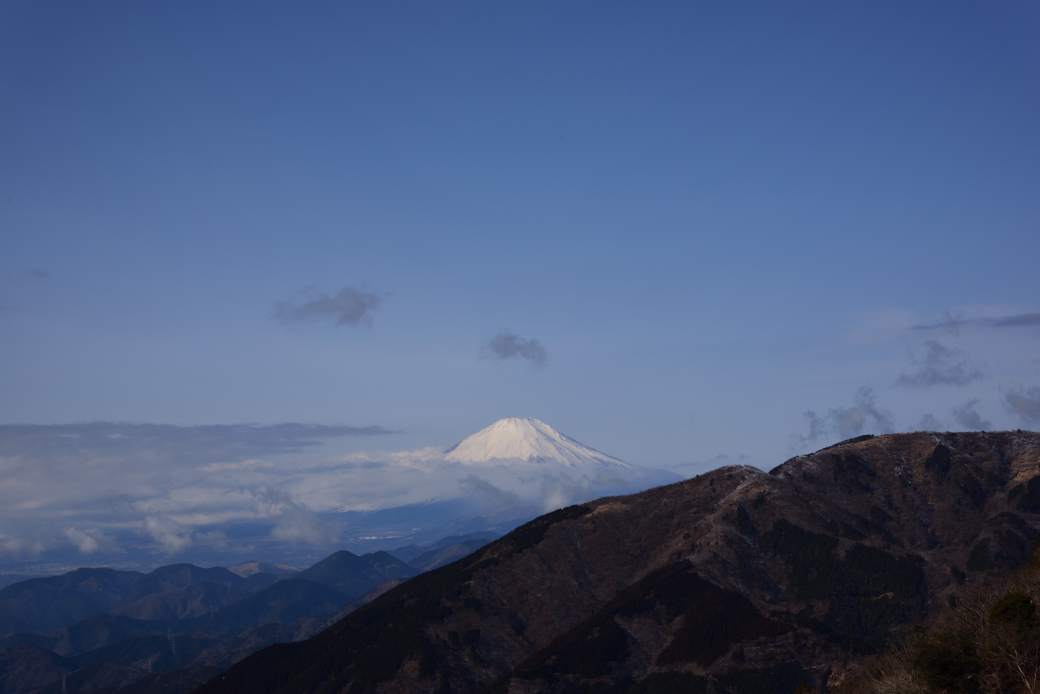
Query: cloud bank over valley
(106, 491)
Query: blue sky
(712, 218)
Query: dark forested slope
(737, 580)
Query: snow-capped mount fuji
(529, 440)
(527, 461)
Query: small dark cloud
(847, 422)
(1022, 319)
(507, 345)
(36, 273)
(351, 306)
(1025, 404)
(969, 418)
(950, 323)
(953, 323)
(941, 366)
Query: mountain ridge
(835, 551)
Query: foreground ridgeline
(735, 581)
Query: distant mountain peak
(526, 439)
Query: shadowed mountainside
(181, 603)
(181, 624)
(43, 604)
(184, 596)
(353, 575)
(734, 581)
(435, 558)
(408, 553)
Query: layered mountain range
(735, 581)
(176, 627)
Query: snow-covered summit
(528, 440)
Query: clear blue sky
(712, 217)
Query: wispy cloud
(168, 533)
(1026, 404)
(350, 306)
(154, 443)
(846, 422)
(164, 490)
(695, 467)
(1014, 321)
(953, 322)
(507, 345)
(490, 495)
(929, 422)
(562, 490)
(88, 485)
(15, 546)
(295, 521)
(941, 365)
(90, 541)
(968, 416)
(36, 273)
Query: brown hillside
(737, 579)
